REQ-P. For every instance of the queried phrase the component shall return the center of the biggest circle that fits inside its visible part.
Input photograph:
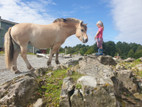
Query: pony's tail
(9, 49)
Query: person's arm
(96, 35)
(100, 29)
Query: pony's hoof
(57, 62)
(48, 63)
(18, 72)
(32, 69)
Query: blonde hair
(100, 23)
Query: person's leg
(100, 47)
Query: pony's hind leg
(14, 66)
(24, 56)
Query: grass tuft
(51, 89)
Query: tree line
(122, 49)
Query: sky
(122, 18)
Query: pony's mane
(66, 20)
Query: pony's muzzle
(85, 40)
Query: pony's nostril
(85, 40)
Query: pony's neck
(70, 29)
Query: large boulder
(129, 60)
(107, 60)
(127, 88)
(66, 92)
(19, 91)
(92, 94)
(95, 88)
(93, 67)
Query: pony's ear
(86, 24)
(81, 23)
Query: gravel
(36, 62)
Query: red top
(100, 34)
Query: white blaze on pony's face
(81, 32)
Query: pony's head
(81, 32)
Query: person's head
(100, 24)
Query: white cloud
(128, 19)
(31, 11)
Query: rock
(18, 92)
(91, 66)
(120, 66)
(117, 60)
(69, 72)
(107, 60)
(49, 74)
(72, 62)
(59, 66)
(129, 60)
(88, 81)
(139, 67)
(93, 95)
(41, 71)
(77, 99)
(75, 68)
(67, 90)
(72, 70)
(126, 85)
(42, 55)
(67, 56)
(140, 59)
(38, 103)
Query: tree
(83, 50)
(138, 54)
(134, 46)
(62, 50)
(131, 53)
(109, 48)
(139, 48)
(90, 50)
(123, 49)
(95, 47)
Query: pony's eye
(82, 30)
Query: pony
(50, 36)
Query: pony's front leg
(50, 57)
(56, 60)
(53, 50)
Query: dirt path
(36, 62)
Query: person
(99, 37)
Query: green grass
(51, 90)
(130, 65)
(1, 52)
(139, 73)
(29, 53)
(78, 86)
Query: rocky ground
(90, 81)
(36, 62)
